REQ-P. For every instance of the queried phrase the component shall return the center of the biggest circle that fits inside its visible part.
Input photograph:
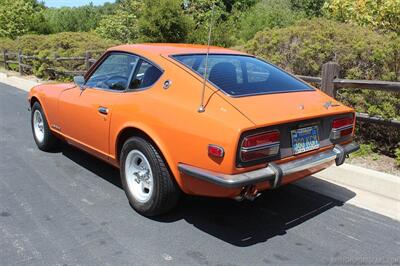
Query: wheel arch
(35, 99)
(133, 131)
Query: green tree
(313, 8)
(266, 14)
(164, 21)
(226, 14)
(122, 25)
(15, 17)
(380, 14)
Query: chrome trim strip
(272, 172)
(261, 146)
(342, 128)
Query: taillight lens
(259, 146)
(342, 122)
(342, 127)
(215, 151)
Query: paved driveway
(68, 208)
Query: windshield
(240, 75)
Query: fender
(172, 164)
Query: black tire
(49, 141)
(165, 194)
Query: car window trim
(172, 56)
(140, 58)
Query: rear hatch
(278, 108)
(287, 113)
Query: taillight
(342, 127)
(215, 151)
(259, 146)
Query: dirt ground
(380, 163)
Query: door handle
(103, 110)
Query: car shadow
(238, 223)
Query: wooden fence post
(20, 68)
(5, 56)
(88, 56)
(330, 71)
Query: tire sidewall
(136, 143)
(42, 145)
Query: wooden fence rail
(329, 83)
(17, 58)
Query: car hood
(271, 109)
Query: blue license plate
(305, 139)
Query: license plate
(305, 139)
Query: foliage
(383, 15)
(313, 8)
(163, 21)
(266, 14)
(122, 25)
(84, 18)
(398, 156)
(15, 17)
(366, 150)
(6, 43)
(304, 47)
(64, 44)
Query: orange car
(140, 109)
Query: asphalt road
(68, 208)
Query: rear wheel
(42, 135)
(146, 179)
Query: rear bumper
(273, 172)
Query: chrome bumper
(273, 172)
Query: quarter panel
(171, 118)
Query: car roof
(167, 49)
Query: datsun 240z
(174, 118)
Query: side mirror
(79, 80)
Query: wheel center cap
(142, 175)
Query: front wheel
(147, 182)
(44, 139)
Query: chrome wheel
(38, 126)
(139, 176)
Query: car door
(85, 113)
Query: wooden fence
(22, 62)
(329, 83)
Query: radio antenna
(202, 107)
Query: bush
(361, 53)
(6, 43)
(64, 44)
(398, 156)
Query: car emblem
(329, 104)
(301, 107)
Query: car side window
(145, 76)
(114, 72)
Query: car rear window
(240, 75)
